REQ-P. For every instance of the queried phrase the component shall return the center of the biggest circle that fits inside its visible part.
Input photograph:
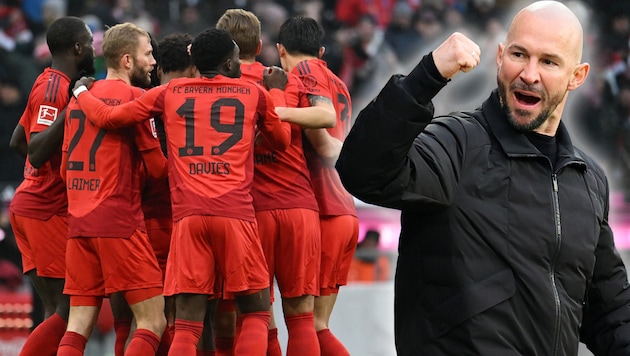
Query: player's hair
(172, 52)
(211, 48)
(63, 33)
(301, 35)
(119, 40)
(244, 27)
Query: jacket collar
(515, 143)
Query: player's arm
(127, 114)
(64, 150)
(18, 141)
(148, 144)
(44, 144)
(277, 133)
(320, 114)
(155, 163)
(326, 146)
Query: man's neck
(114, 74)
(65, 66)
(292, 60)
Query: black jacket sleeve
(377, 163)
(606, 323)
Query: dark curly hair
(211, 48)
(172, 52)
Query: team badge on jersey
(47, 115)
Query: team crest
(309, 81)
(47, 115)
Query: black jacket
(499, 253)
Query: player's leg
(254, 319)
(129, 266)
(148, 312)
(268, 234)
(123, 320)
(85, 285)
(206, 345)
(225, 327)
(159, 231)
(190, 278)
(81, 321)
(190, 310)
(242, 264)
(339, 239)
(297, 265)
(42, 244)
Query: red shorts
(159, 231)
(204, 247)
(339, 241)
(291, 241)
(42, 244)
(100, 266)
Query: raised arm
(377, 163)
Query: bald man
(505, 246)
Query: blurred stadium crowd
(366, 41)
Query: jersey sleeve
(294, 91)
(151, 103)
(278, 133)
(146, 139)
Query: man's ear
(126, 61)
(78, 49)
(259, 48)
(322, 49)
(281, 50)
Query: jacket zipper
(552, 271)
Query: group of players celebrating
(111, 207)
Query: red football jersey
(281, 178)
(42, 193)
(318, 80)
(209, 125)
(103, 167)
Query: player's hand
(87, 81)
(457, 53)
(73, 82)
(275, 78)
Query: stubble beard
(530, 125)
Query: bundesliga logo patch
(47, 115)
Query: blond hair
(119, 40)
(244, 27)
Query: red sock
(143, 342)
(187, 334)
(302, 336)
(273, 347)
(253, 337)
(71, 344)
(238, 326)
(44, 340)
(121, 327)
(330, 345)
(224, 345)
(165, 342)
